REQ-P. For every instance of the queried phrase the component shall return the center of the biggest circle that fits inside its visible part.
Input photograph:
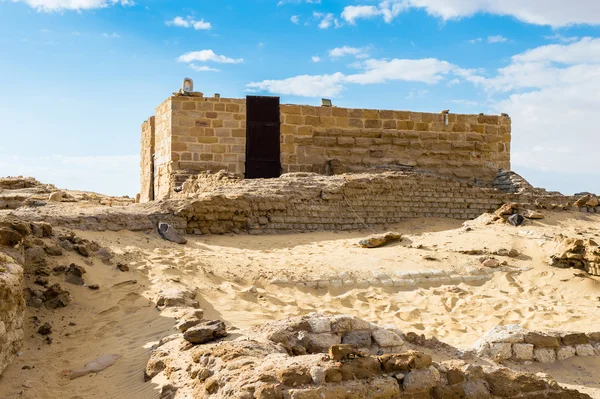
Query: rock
(592, 202)
(491, 263)
(500, 351)
(342, 352)
(585, 350)
(205, 332)
(185, 325)
(122, 267)
(94, 287)
(513, 253)
(66, 245)
(523, 351)
(516, 220)
(294, 376)
(336, 167)
(82, 249)
(421, 380)
(56, 270)
(544, 355)
(41, 229)
(379, 240)
(56, 297)
(54, 250)
(507, 210)
(170, 234)
(575, 339)
(74, 274)
(10, 237)
(581, 202)
(565, 352)
(45, 329)
(386, 338)
(56, 196)
(533, 215)
(361, 339)
(506, 383)
(542, 340)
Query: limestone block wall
(163, 140)
(468, 146)
(513, 342)
(146, 159)
(344, 202)
(195, 133)
(208, 134)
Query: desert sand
(247, 280)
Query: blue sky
(78, 77)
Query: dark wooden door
(262, 137)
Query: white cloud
(373, 71)
(496, 39)
(111, 35)
(388, 9)
(315, 58)
(417, 94)
(305, 85)
(358, 52)
(554, 13)
(76, 5)
(326, 20)
(473, 41)
(283, 2)
(295, 19)
(208, 55)
(561, 38)
(113, 175)
(553, 99)
(189, 22)
(203, 68)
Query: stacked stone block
(512, 342)
(194, 133)
(148, 131)
(467, 146)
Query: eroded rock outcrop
(577, 253)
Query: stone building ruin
(258, 137)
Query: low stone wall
(305, 202)
(513, 342)
(335, 357)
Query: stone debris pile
(332, 357)
(512, 342)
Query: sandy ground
(120, 319)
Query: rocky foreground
(149, 313)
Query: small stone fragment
(516, 220)
(45, 329)
(56, 196)
(170, 234)
(122, 267)
(205, 332)
(74, 274)
(380, 240)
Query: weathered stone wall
(346, 202)
(195, 133)
(513, 342)
(468, 146)
(163, 139)
(12, 309)
(146, 159)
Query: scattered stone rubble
(512, 342)
(379, 240)
(578, 253)
(332, 357)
